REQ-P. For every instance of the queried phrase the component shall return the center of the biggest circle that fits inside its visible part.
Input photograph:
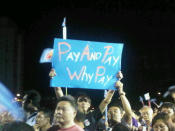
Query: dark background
(146, 27)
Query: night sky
(147, 28)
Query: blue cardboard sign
(85, 64)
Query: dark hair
(83, 95)
(34, 96)
(120, 127)
(167, 105)
(116, 105)
(46, 112)
(17, 126)
(69, 99)
(162, 116)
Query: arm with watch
(125, 103)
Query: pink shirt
(73, 128)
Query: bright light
(18, 94)
(159, 93)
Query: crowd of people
(73, 113)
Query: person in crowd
(168, 108)
(115, 114)
(6, 117)
(42, 120)
(17, 126)
(92, 117)
(118, 115)
(147, 115)
(65, 114)
(31, 105)
(162, 122)
(84, 103)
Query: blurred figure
(173, 118)
(42, 121)
(147, 115)
(64, 115)
(168, 108)
(17, 126)
(6, 117)
(171, 93)
(162, 122)
(80, 118)
(31, 105)
(115, 114)
(120, 127)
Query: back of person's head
(69, 99)
(17, 126)
(32, 98)
(167, 105)
(120, 127)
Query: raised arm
(125, 103)
(106, 100)
(58, 90)
(109, 95)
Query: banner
(46, 56)
(85, 64)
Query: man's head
(168, 108)
(115, 113)
(31, 101)
(84, 102)
(163, 122)
(17, 126)
(43, 118)
(65, 111)
(147, 113)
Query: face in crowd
(169, 111)
(162, 122)
(147, 114)
(160, 126)
(84, 104)
(115, 114)
(64, 113)
(42, 120)
(168, 108)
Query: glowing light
(18, 94)
(159, 93)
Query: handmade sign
(85, 64)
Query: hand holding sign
(52, 73)
(119, 75)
